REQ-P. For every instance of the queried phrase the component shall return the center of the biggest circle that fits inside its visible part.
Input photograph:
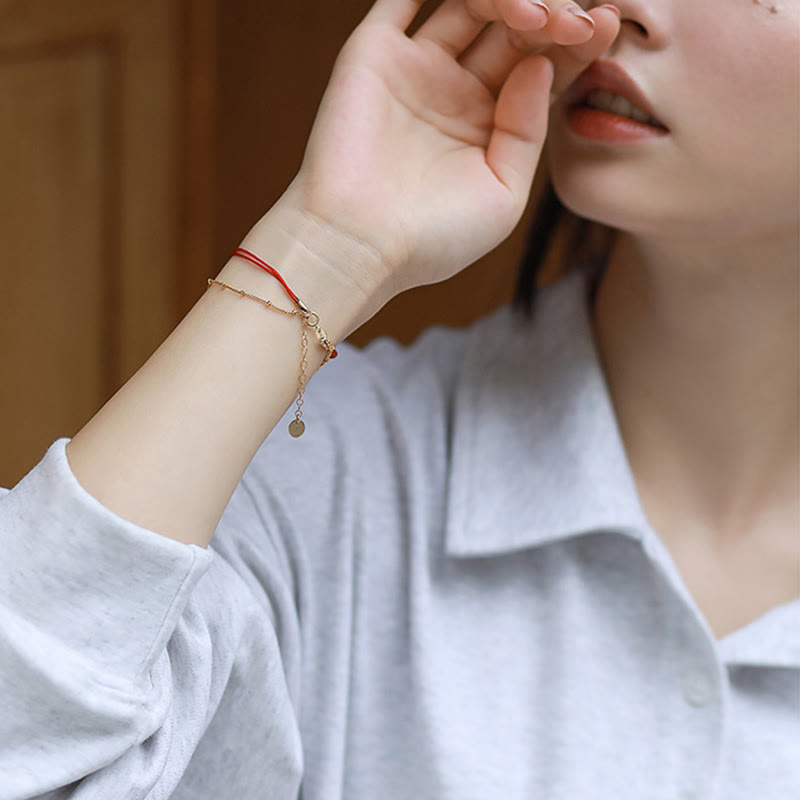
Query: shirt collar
(538, 455)
(771, 640)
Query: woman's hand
(424, 148)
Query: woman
(554, 558)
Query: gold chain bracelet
(309, 319)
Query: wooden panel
(197, 143)
(57, 337)
(97, 138)
(143, 125)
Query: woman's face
(724, 77)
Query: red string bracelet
(254, 259)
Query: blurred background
(139, 141)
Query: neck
(701, 352)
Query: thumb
(520, 124)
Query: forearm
(168, 449)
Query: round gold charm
(297, 427)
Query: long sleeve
(117, 646)
(135, 667)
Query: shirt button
(688, 796)
(698, 688)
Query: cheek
(740, 112)
(745, 62)
(768, 5)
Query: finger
(526, 15)
(451, 27)
(520, 121)
(399, 13)
(456, 23)
(562, 25)
(494, 54)
(500, 47)
(570, 62)
(570, 24)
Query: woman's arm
(168, 449)
(420, 161)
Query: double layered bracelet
(308, 319)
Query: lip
(611, 77)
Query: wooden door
(104, 104)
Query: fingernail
(612, 8)
(541, 5)
(579, 12)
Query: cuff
(75, 573)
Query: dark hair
(576, 243)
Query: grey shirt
(446, 589)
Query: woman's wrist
(333, 274)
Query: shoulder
(386, 374)
(384, 403)
(379, 420)
(392, 371)
(370, 397)
(376, 429)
